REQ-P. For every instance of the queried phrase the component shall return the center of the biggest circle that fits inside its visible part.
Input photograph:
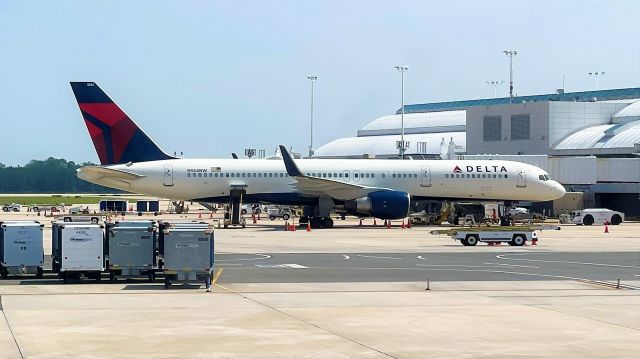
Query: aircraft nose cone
(558, 190)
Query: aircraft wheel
(327, 222)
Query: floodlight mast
(313, 79)
(510, 54)
(597, 75)
(402, 145)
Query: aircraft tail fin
(116, 137)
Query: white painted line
(360, 255)
(501, 256)
(264, 256)
(511, 265)
(422, 258)
(290, 265)
(346, 256)
(450, 265)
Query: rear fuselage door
(168, 175)
(522, 178)
(425, 177)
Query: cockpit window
(544, 177)
(541, 177)
(547, 177)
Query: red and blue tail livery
(116, 137)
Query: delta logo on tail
(116, 137)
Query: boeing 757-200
(131, 161)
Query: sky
(208, 78)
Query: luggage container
(113, 205)
(154, 206)
(77, 250)
(21, 248)
(142, 206)
(187, 252)
(132, 248)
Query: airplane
(380, 188)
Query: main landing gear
(317, 222)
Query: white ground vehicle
(13, 207)
(596, 216)
(253, 209)
(514, 236)
(279, 212)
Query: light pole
(313, 80)
(511, 54)
(597, 74)
(401, 145)
(495, 85)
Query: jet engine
(382, 204)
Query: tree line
(53, 175)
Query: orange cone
(360, 222)
(293, 226)
(409, 223)
(606, 227)
(402, 224)
(253, 216)
(374, 223)
(210, 215)
(308, 226)
(199, 214)
(534, 241)
(388, 224)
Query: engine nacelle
(382, 204)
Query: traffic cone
(253, 217)
(293, 226)
(402, 224)
(308, 226)
(409, 223)
(606, 227)
(388, 224)
(258, 215)
(360, 222)
(286, 226)
(200, 215)
(374, 223)
(534, 241)
(210, 215)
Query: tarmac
(297, 295)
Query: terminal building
(589, 141)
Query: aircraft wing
(314, 186)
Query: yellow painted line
(215, 278)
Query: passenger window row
(404, 175)
(473, 175)
(238, 174)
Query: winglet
(289, 163)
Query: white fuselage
(266, 180)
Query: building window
(520, 127)
(492, 128)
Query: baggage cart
(187, 251)
(21, 248)
(77, 250)
(131, 249)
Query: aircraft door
(168, 175)
(522, 178)
(426, 177)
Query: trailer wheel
(616, 219)
(464, 242)
(286, 216)
(5, 209)
(472, 240)
(518, 240)
(588, 220)
(243, 212)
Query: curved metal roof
(611, 136)
(386, 145)
(444, 121)
(631, 112)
